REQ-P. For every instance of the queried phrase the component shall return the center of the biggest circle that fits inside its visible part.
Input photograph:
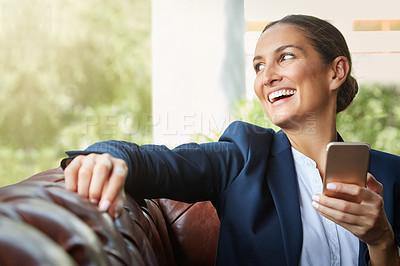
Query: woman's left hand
(365, 218)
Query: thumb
(374, 185)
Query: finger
(339, 204)
(352, 227)
(71, 173)
(117, 206)
(101, 173)
(336, 215)
(374, 185)
(115, 184)
(85, 175)
(104, 204)
(352, 190)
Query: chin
(277, 121)
(285, 121)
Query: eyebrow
(280, 49)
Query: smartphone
(346, 162)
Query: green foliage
(72, 73)
(251, 111)
(374, 117)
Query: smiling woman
(290, 62)
(267, 186)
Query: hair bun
(346, 93)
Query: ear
(340, 68)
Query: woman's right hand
(101, 179)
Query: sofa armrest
(42, 223)
(193, 231)
(62, 219)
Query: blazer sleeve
(190, 172)
(386, 169)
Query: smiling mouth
(280, 94)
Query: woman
(266, 186)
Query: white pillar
(197, 66)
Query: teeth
(276, 94)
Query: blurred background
(69, 71)
(166, 71)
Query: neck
(313, 137)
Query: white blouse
(324, 242)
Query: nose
(271, 75)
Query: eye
(259, 67)
(287, 56)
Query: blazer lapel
(282, 181)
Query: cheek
(302, 75)
(258, 88)
(311, 75)
(259, 91)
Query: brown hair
(329, 42)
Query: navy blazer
(249, 176)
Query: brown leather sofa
(41, 223)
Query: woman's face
(292, 82)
